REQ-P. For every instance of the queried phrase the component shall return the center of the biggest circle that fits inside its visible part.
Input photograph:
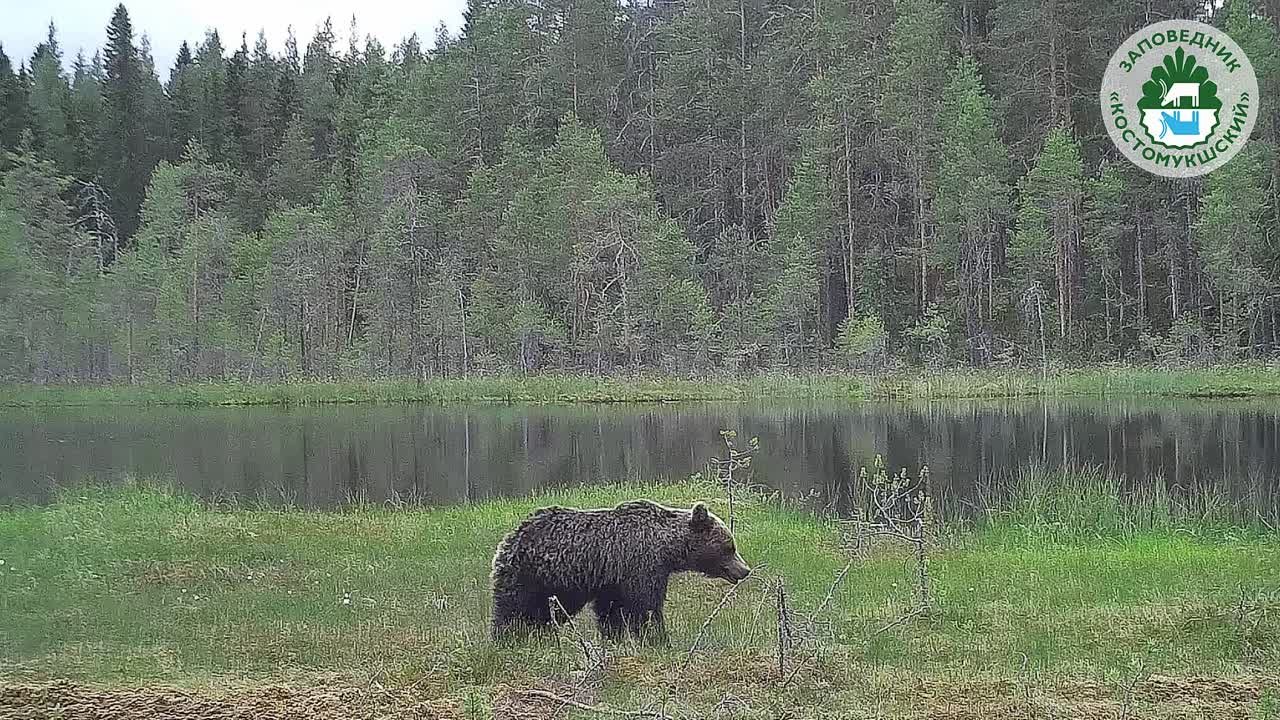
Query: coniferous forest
(603, 186)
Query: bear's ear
(701, 519)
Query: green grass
(1045, 602)
(1234, 381)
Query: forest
(620, 186)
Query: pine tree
(305, 284)
(917, 66)
(1108, 231)
(706, 161)
(580, 64)
(494, 95)
(842, 49)
(412, 278)
(1041, 66)
(48, 261)
(1259, 37)
(133, 288)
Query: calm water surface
(323, 456)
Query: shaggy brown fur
(619, 559)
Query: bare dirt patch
(67, 701)
(1155, 697)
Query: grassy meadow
(1232, 381)
(1072, 604)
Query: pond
(324, 456)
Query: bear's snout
(737, 571)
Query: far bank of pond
(1106, 381)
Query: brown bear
(619, 559)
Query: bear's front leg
(653, 628)
(642, 612)
(517, 611)
(609, 617)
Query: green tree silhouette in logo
(1179, 69)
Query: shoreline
(1238, 381)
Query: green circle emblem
(1179, 98)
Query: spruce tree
(183, 90)
(49, 99)
(1045, 253)
(155, 107)
(123, 139)
(296, 176)
(238, 121)
(257, 108)
(85, 115)
(971, 204)
(1238, 259)
(212, 122)
(319, 97)
(13, 105)
(1108, 232)
(804, 218)
(288, 102)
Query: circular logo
(1179, 98)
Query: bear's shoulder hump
(643, 506)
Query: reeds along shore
(1241, 381)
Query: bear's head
(711, 548)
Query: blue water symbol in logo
(1174, 123)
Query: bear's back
(591, 546)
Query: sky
(81, 24)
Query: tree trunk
(848, 215)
